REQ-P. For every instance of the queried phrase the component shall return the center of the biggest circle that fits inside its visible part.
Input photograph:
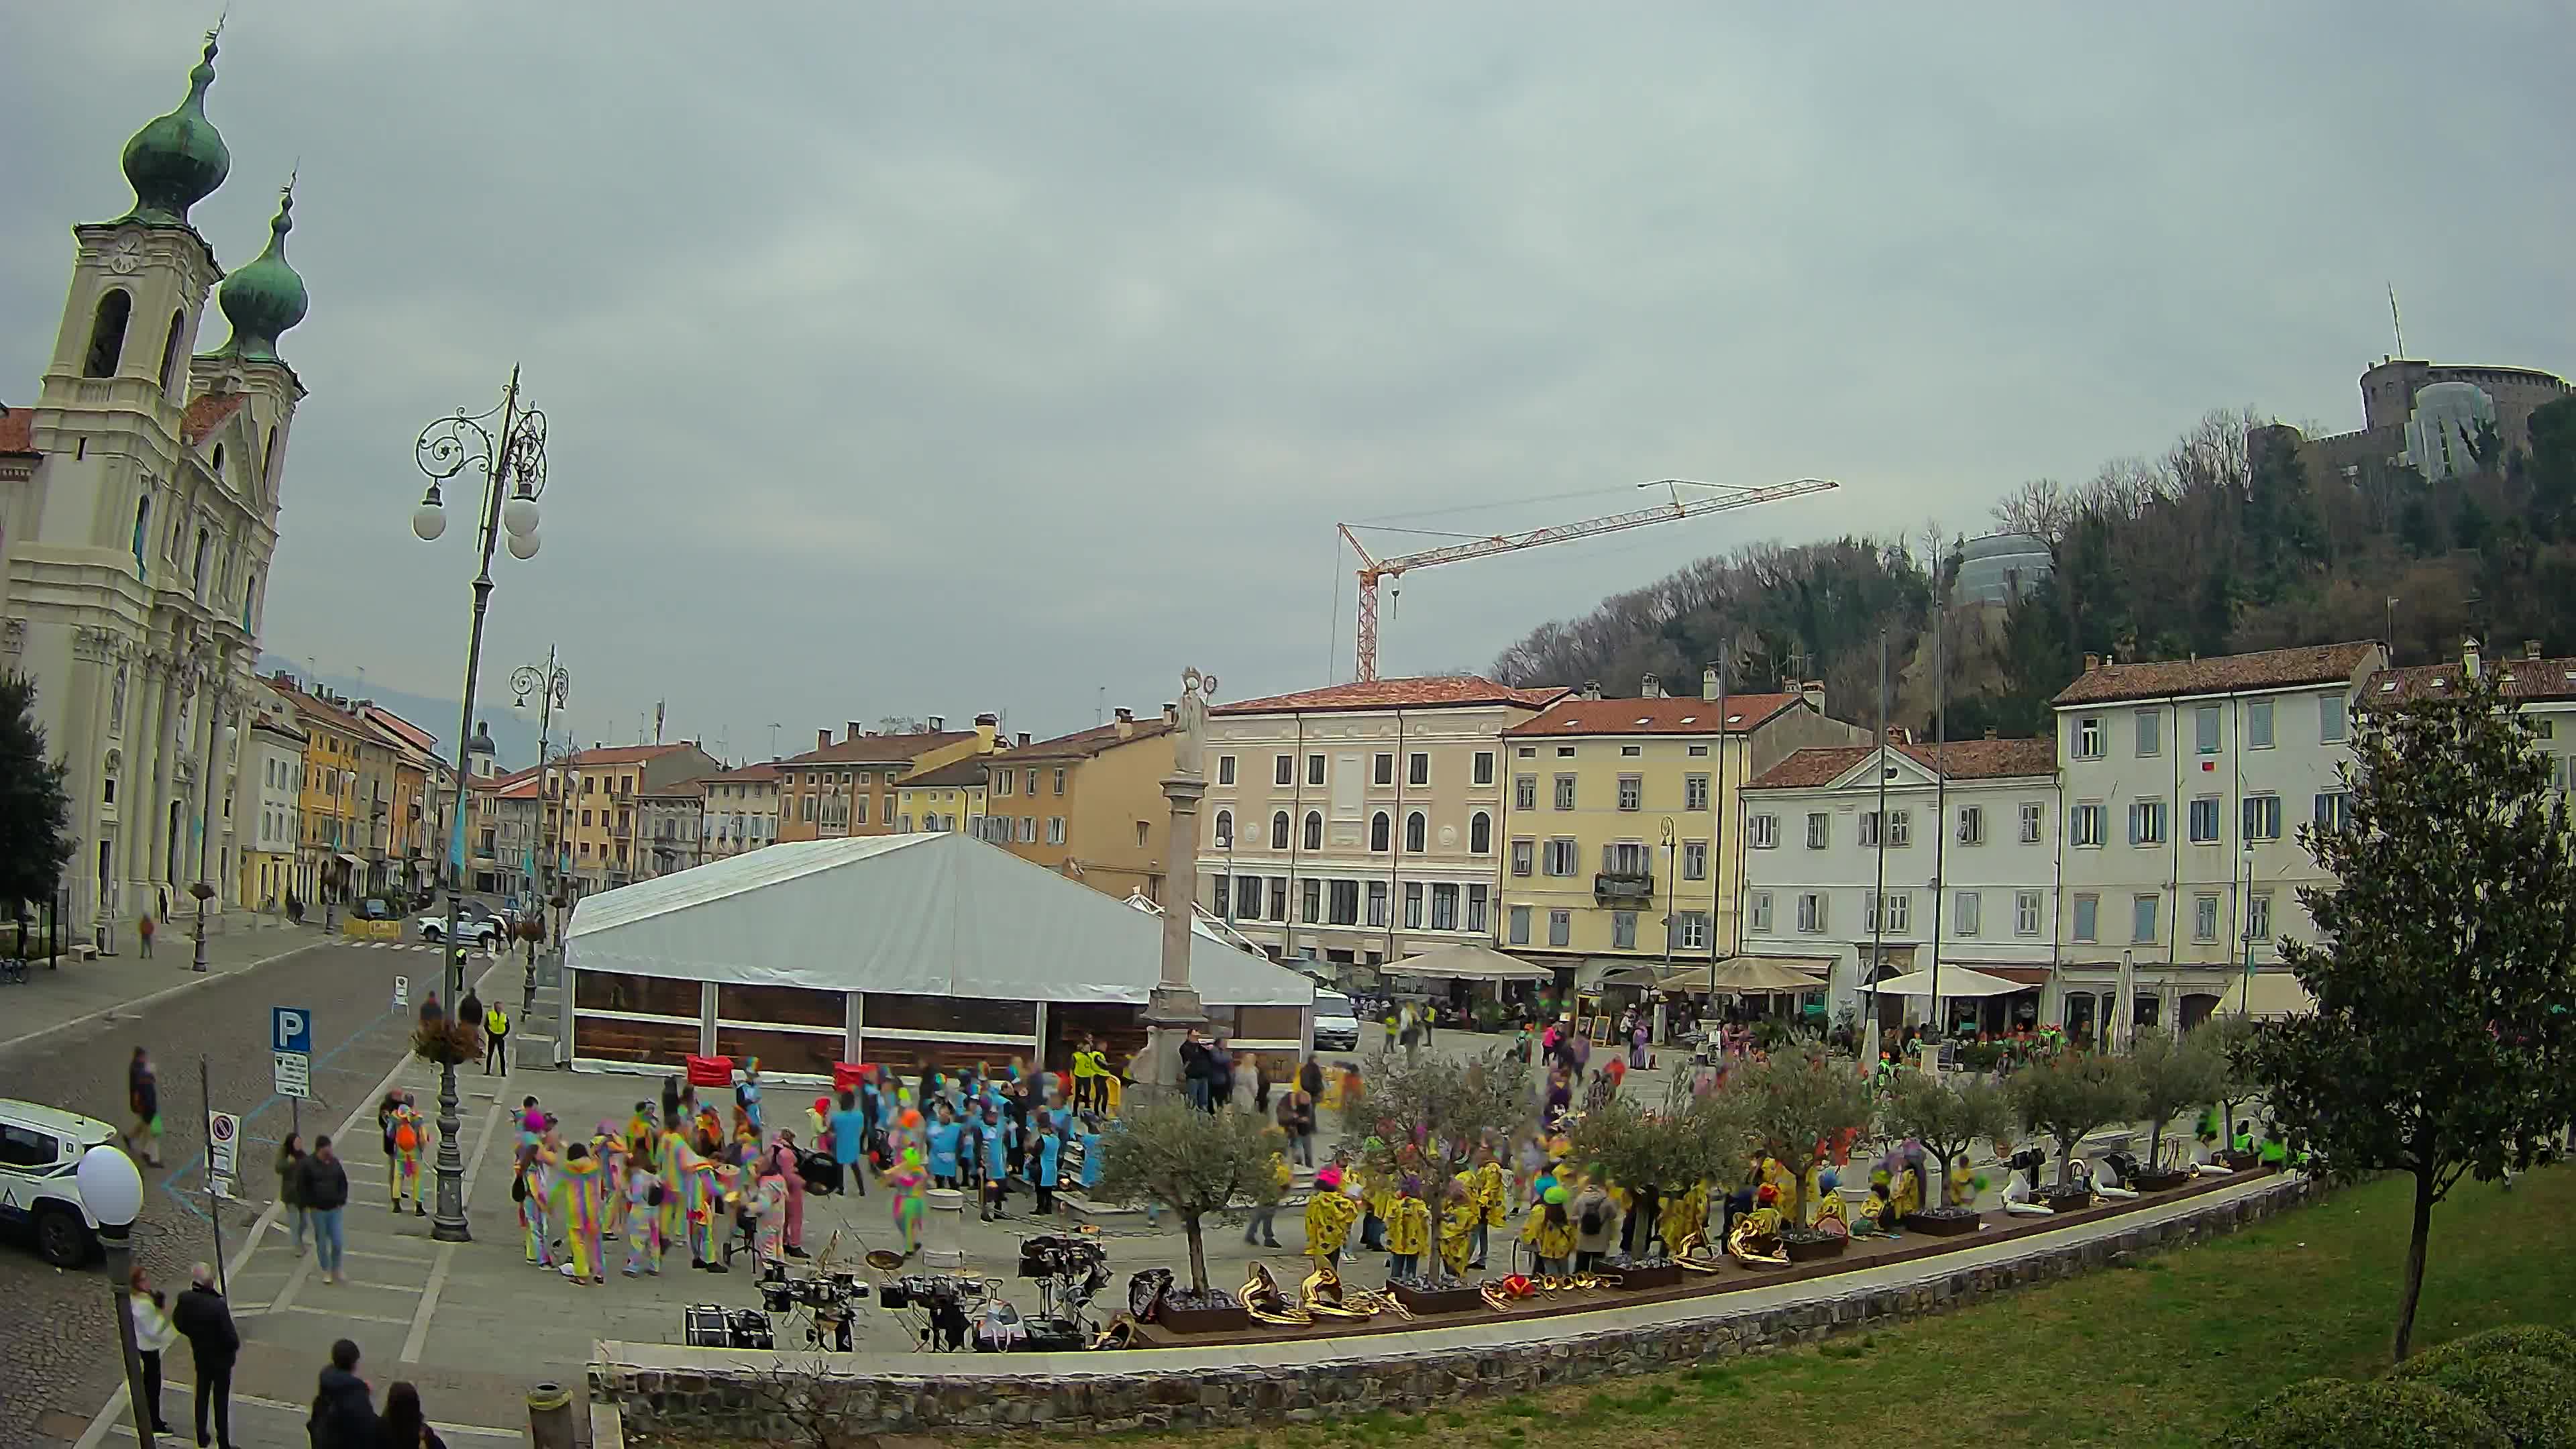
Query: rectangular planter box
(1443, 1300)
(1817, 1251)
(1662, 1275)
(1204, 1320)
(2070, 1203)
(2164, 1180)
(2240, 1161)
(1944, 1227)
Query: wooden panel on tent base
(979, 1016)
(616, 1039)
(789, 1005)
(909, 1055)
(794, 1053)
(625, 991)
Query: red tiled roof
(683, 788)
(1959, 759)
(523, 788)
(956, 774)
(1083, 744)
(403, 729)
(208, 413)
(17, 430)
(759, 774)
(623, 754)
(1424, 692)
(2266, 669)
(879, 749)
(1572, 716)
(2521, 679)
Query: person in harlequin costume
(407, 1133)
(1330, 1211)
(701, 1197)
(910, 1186)
(643, 1216)
(769, 1211)
(531, 1195)
(1408, 1230)
(580, 1197)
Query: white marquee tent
(923, 947)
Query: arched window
(170, 351)
(268, 456)
(1480, 833)
(107, 334)
(1378, 831)
(1416, 828)
(1279, 830)
(1314, 830)
(250, 598)
(218, 468)
(142, 521)
(197, 576)
(1224, 828)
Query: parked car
(484, 929)
(1337, 1023)
(39, 1148)
(374, 908)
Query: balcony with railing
(1622, 885)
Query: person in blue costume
(1087, 1132)
(997, 1163)
(1046, 1154)
(945, 1135)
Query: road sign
(402, 991)
(223, 1135)
(294, 1074)
(290, 1029)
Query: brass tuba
(1323, 1290)
(1266, 1303)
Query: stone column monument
(1174, 1008)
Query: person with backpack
(1596, 1226)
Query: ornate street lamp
(553, 688)
(113, 1191)
(508, 446)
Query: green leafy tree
(35, 813)
(1948, 1114)
(2231, 1040)
(2071, 1094)
(1430, 1115)
(1193, 1162)
(2173, 1077)
(1794, 1101)
(2440, 1042)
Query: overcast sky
(952, 357)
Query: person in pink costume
(784, 1151)
(911, 1202)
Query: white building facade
(1962, 865)
(138, 514)
(1360, 823)
(271, 805)
(2184, 784)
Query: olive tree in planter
(2231, 1040)
(2065, 1097)
(1950, 1114)
(1795, 1103)
(1662, 1153)
(2172, 1078)
(1194, 1163)
(1428, 1117)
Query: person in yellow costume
(1908, 1193)
(1756, 1236)
(1330, 1211)
(1408, 1236)
(1783, 1183)
(1830, 1216)
(1549, 1233)
(1683, 1217)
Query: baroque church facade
(138, 516)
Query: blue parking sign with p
(290, 1029)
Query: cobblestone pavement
(62, 1340)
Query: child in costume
(1549, 1233)
(1461, 1226)
(643, 1213)
(910, 1200)
(580, 1194)
(1408, 1231)
(1330, 1211)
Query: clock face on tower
(125, 256)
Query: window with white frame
(1520, 926)
(1632, 792)
(1342, 907)
(2204, 820)
(2330, 720)
(1757, 904)
(1480, 833)
(1869, 829)
(1225, 769)
(2026, 907)
(2334, 809)
(2258, 724)
(2258, 916)
(1562, 856)
(1417, 770)
(1694, 860)
(1413, 905)
(2204, 917)
(1524, 856)
(1623, 930)
(2146, 822)
(2034, 815)
(1966, 913)
(1900, 911)
(1565, 792)
(2142, 919)
(1560, 927)
(1224, 829)
(2088, 737)
(1311, 902)
(1811, 912)
(1055, 830)
(1693, 932)
(1484, 770)
(1279, 830)
(1377, 903)
(1694, 792)
(1525, 792)
(2150, 727)
(1900, 827)
(2262, 817)
(1283, 772)
(1381, 832)
(2204, 729)
(1478, 896)
(1764, 831)
(1314, 769)
(1314, 830)
(1972, 825)
(1820, 830)
(2084, 825)
(1382, 768)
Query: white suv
(40, 1147)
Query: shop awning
(2266, 993)
(1745, 975)
(351, 859)
(1467, 961)
(1955, 981)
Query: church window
(107, 333)
(218, 469)
(197, 576)
(170, 350)
(142, 520)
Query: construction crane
(1717, 500)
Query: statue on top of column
(1189, 736)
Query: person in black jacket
(344, 1410)
(206, 1321)
(1196, 1069)
(325, 1186)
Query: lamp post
(113, 1191)
(513, 465)
(222, 737)
(552, 686)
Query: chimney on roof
(1023, 738)
(823, 738)
(1813, 692)
(852, 731)
(1126, 722)
(988, 730)
(1171, 713)
(1990, 732)
(1708, 683)
(2092, 662)
(1650, 687)
(1592, 689)
(2469, 656)
(2530, 648)
(938, 724)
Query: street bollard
(550, 1417)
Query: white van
(40, 1149)
(1337, 1023)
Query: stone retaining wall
(766, 1396)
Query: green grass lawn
(2162, 1352)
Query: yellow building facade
(1089, 805)
(947, 797)
(1617, 822)
(834, 791)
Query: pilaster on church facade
(139, 499)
